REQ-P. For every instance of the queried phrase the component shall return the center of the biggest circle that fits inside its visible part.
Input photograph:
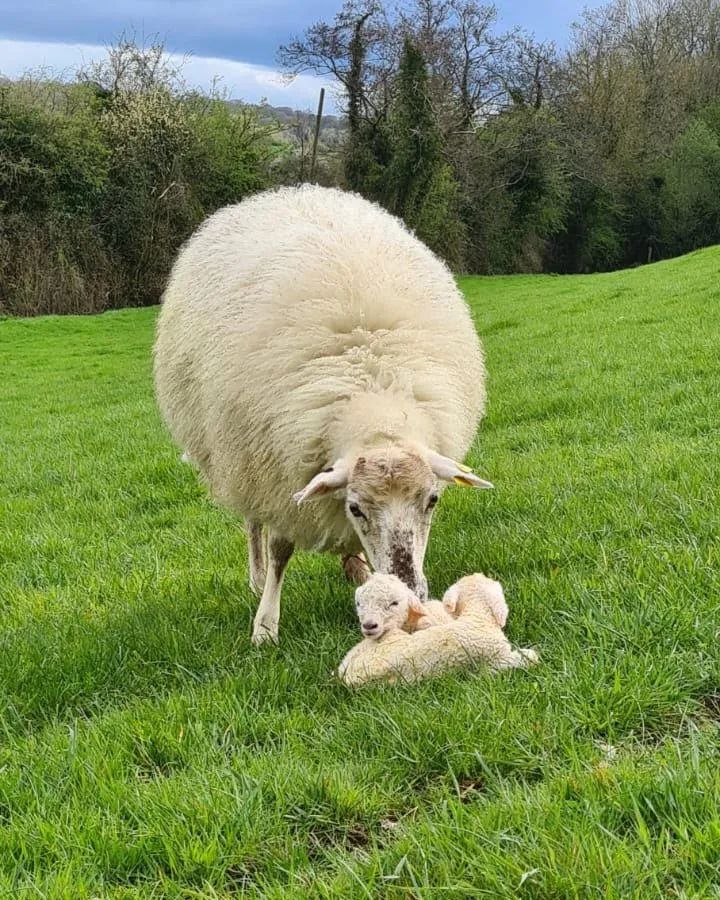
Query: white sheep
(389, 653)
(306, 337)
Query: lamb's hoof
(263, 634)
(356, 568)
(530, 656)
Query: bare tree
(134, 65)
(353, 51)
(300, 131)
(468, 62)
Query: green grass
(148, 750)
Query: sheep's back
(279, 310)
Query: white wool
(296, 327)
(475, 635)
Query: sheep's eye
(393, 603)
(432, 500)
(356, 511)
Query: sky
(234, 41)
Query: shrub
(101, 181)
(52, 174)
(692, 187)
(148, 207)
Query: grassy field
(148, 750)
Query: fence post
(318, 120)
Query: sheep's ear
(448, 470)
(331, 479)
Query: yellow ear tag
(464, 468)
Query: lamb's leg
(256, 557)
(356, 568)
(516, 659)
(267, 618)
(530, 657)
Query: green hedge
(98, 189)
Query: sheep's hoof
(263, 634)
(356, 568)
(530, 656)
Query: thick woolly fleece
(300, 326)
(476, 635)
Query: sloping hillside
(149, 751)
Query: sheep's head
(477, 593)
(390, 495)
(384, 602)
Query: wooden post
(318, 120)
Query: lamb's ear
(448, 470)
(450, 599)
(416, 611)
(497, 605)
(331, 479)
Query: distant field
(148, 750)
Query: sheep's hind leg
(257, 566)
(267, 618)
(356, 568)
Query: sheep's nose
(370, 627)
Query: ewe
(385, 606)
(308, 338)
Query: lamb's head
(390, 495)
(479, 595)
(384, 602)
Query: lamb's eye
(393, 603)
(356, 511)
(432, 500)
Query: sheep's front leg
(256, 557)
(267, 618)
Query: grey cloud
(250, 30)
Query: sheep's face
(384, 602)
(390, 499)
(390, 495)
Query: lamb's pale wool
(389, 653)
(305, 330)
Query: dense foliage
(101, 180)
(604, 156)
(501, 153)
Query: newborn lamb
(385, 606)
